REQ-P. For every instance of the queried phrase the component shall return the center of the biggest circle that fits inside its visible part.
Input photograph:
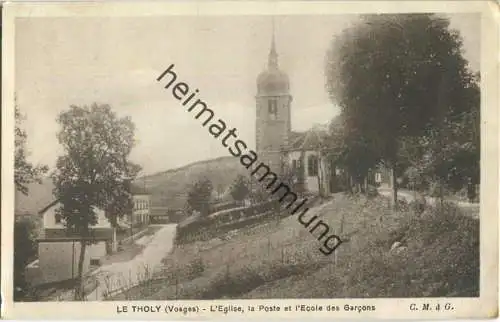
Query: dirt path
(121, 274)
(410, 196)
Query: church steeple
(273, 111)
(273, 55)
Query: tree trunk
(79, 291)
(394, 184)
(319, 178)
(441, 194)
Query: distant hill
(168, 189)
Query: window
(58, 218)
(312, 166)
(294, 165)
(273, 108)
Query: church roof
(272, 81)
(313, 139)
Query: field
(437, 254)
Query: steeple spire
(273, 55)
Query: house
(142, 206)
(59, 249)
(306, 158)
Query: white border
(485, 306)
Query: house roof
(50, 205)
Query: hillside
(385, 254)
(168, 188)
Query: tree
(200, 195)
(240, 189)
(24, 252)
(94, 173)
(24, 172)
(351, 149)
(397, 76)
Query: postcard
(271, 159)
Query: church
(301, 154)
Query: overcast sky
(64, 61)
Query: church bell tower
(273, 119)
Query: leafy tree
(352, 150)
(240, 189)
(24, 229)
(24, 251)
(24, 172)
(200, 195)
(448, 155)
(94, 173)
(397, 76)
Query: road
(410, 196)
(126, 274)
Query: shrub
(372, 192)
(418, 206)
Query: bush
(372, 191)
(418, 206)
(403, 205)
(25, 251)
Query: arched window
(312, 166)
(272, 106)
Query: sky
(116, 60)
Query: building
(141, 213)
(59, 249)
(273, 112)
(281, 148)
(307, 159)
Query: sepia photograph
(222, 157)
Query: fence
(227, 269)
(225, 220)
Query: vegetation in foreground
(387, 254)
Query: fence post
(176, 287)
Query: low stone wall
(226, 220)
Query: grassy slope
(276, 261)
(169, 188)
